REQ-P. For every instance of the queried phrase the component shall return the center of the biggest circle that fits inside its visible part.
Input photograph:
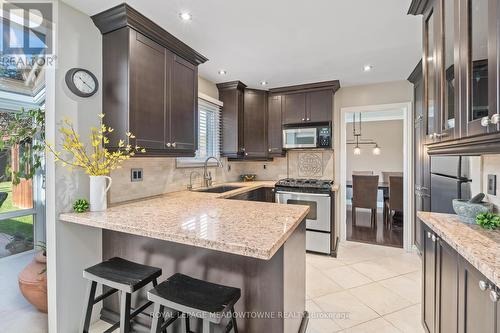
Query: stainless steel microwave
(307, 137)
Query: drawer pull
(494, 296)
(483, 285)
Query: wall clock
(81, 82)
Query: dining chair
(362, 173)
(387, 174)
(394, 203)
(364, 195)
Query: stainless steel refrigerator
(450, 179)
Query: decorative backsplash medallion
(310, 164)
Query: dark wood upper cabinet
(461, 75)
(231, 94)
(150, 84)
(255, 124)
(294, 108)
(274, 125)
(307, 103)
(320, 106)
(184, 107)
(148, 70)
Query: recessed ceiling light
(185, 16)
(222, 72)
(263, 83)
(367, 68)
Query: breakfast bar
(258, 247)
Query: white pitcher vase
(98, 190)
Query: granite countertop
(478, 246)
(247, 228)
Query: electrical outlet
(136, 175)
(492, 184)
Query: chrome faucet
(190, 185)
(207, 175)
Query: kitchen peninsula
(256, 246)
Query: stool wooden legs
(90, 297)
(125, 312)
(157, 318)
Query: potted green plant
(488, 221)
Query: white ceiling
(287, 42)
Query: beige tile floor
(368, 288)
(377, 287)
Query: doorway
(375, 161)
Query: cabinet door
(147, 91)
(479, 65)
(184, 107)
(418, 152)
(274, 127)
(431, 111)
(449, 69)
(477, 313)
(294, 108)
(255, 126)
(428, 280)
(319, 106)
(447, 289)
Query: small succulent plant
(81, 206)
(489, 221)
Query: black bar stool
(120, 275)
(193, 297)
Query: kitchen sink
(219, 189)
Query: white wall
(207, 87)
(71, 248)
(372, 94)
(389, 136)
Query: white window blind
(209, 133)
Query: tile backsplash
(160, 174)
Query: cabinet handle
(483, 285)
(242, 148)
(168, 144)
(441, 135)
(494, 296)
(485, 121)
(495, 119)
(269, 150)
(433, 237)
(303, 119)
(308, 119)
(428, 234)
(174, 144)
(246, 154)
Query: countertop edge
(237, 249)
(492, 274)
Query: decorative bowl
(467, 211)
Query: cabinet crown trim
(123, 15)
(231, 85)
(417, 7)
(416, 75)
(334, 85)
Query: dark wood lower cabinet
(453, 300)
(477, 312)
(446, 288)
(428, 280)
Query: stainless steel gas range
(318, 195)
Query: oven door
(318, 218)
(300, 138)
